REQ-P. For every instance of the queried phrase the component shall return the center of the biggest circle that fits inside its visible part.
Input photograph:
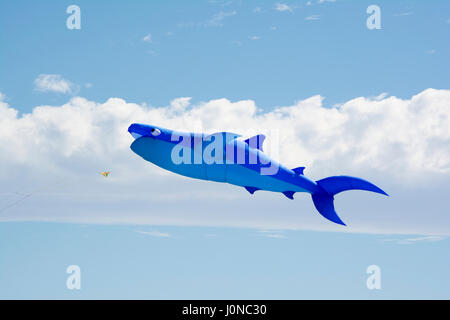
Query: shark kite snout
(138, 130)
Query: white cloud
(403, 14)
(379, 97)
(217, 19)
(147, 38)
(254, 37)
(273, 234)
(283, 7)
(416, 240)
(323, 1)
(53, 83)
(312, 17)
(155, 233)
(2, 96)
(402, 145)
(432, 51)
(221, 3)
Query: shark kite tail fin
(328, 187)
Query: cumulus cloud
(53, 83)
(402, 145)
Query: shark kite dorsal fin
(289, 194)
(256, 141)
(299, 170)
(251, 189)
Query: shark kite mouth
(136, 135)
(138, 130)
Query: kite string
(26, 196)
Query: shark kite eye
(156, 132)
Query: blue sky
(217, 263)
(133, 237)
(335, 56)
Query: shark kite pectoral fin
(252, 189)
(289, 194)
(299, 170)
(256, 141)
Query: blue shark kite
(222, 157)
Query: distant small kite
(105, 173)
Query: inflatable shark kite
(222, 157)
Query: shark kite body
(221, 157)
